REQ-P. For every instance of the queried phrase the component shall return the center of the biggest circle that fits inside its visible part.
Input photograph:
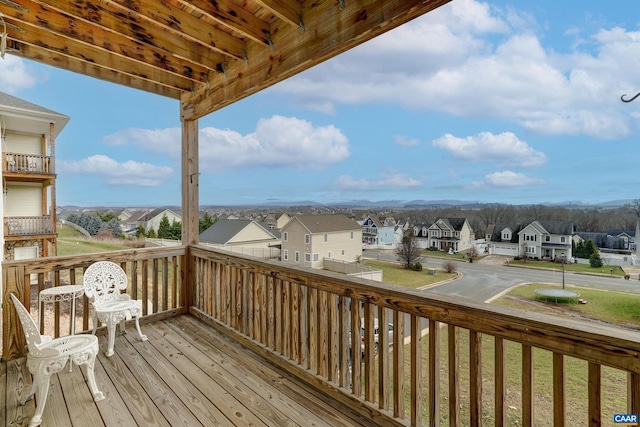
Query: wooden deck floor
(184, 375)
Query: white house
(308, 239)
(538, 239)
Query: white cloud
(473, 60)
(405, 141)
(118, 173)
(507, 179)
(15, 75)
(277, 142)
(503, 149)
(388, 179)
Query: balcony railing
(448, 358)
(27, 163)
(28, 225)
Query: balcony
(23, 226)
(27, 167)
(258, 338)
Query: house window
(286, 255)
(531, 249)
(415, 231)
(326, 237)
(329, 254)
(562, 239)
(343, 252)
(316, 257)
(506, 236)
(307, 239)
(307, 257)
(352, 235)
(547, 238)
(285, 236)
(297, 256)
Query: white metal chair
(47, 357)
(103, 282)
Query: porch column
(190, 179)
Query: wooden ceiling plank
(234, 17)
(113, 21)
(44, 56)
(39, 37)
(329, 33)
(84, 33)
(174, 20)
(289, 11)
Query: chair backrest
(31, 333)
(103, 281)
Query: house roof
(327, 223)
(225, 229)
(208, 54)
(23, 116)
(452, 223)
(496, 235)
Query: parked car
(376, 335)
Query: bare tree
(635, 208)
(408, 251)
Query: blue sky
(509, 102)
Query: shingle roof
(328, 223)
(15, 107)
(224, 230)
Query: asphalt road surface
(482, 281)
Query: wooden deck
(186, 374)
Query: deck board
(185, 374)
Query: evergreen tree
(595, 261)
(176, 230)
(164, 229)
(206, 221)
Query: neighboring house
(276, 220)
(151, 221)
(539, 239)
(28, 133)
(453, 234)
(422, 236)
(629, 236)
(308, 239)
(604, 242)
(376, 234)
(243, 235)
(147, 219)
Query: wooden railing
(28, 225)
(155, 278)
(450, 361)
(27, 163)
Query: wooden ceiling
(206, 53)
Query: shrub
(449, 266)
(417, 266)
(516, 258)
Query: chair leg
(94, 317)
(142, 337)
(111, 332)
(41, 381)
(91, 378)
(31, 392)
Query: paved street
(484, 279)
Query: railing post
(12, 336)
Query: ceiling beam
(288, 10)
(233, 17)
(328, 33)
(48, 40)
(174, 20)
(41, 22)
(44, 56)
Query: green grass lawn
(398, 275)
(615, 308)
(578, 268)
(71, 242)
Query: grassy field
(72, 242)
(579, 268)
(398, 275)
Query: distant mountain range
(396, 204)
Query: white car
(375, 335)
